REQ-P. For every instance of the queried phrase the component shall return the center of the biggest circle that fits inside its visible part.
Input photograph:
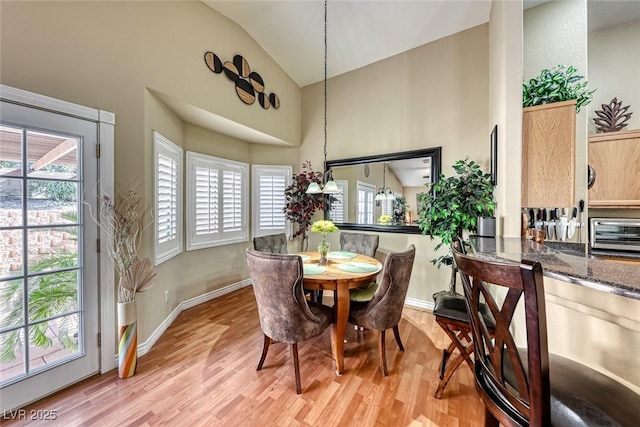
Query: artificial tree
(452, 205)
(300, 205)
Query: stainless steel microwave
(619, 234)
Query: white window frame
(258, 171)
(174, 246)
(365, 206)
(219, 237)
(343, 207)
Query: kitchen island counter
(565, 264)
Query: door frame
(106, 125)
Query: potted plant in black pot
(452, 205)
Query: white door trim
(106, 122)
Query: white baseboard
(145, 347)
(418, 303)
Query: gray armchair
(384, 310)
(366, 244)
(285, 315)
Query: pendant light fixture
(330, 186)
(384, 192)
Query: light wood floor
(202, 372)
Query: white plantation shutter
(231, 201)
(269, 183)
(339, 207)
(168, 198)
(217, 201)
(206, 200)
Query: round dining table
(343, 271)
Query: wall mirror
(379, 193)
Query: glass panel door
(48, 259)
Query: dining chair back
(285, 314)
(275, 243)
(528, 386)
(361, 243)
(384, 310)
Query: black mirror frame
(434, 153)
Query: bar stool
(451, 314)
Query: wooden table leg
(339, 327)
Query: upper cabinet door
(615, 157)
(548, 155)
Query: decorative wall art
(248, 83)
(613, 116)
(494, 155)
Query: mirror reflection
(380, 192)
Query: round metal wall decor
(249, 85)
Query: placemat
(358, 267)
(341, 255)
(311, 269)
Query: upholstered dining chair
(361, 243)
(275, 243)
(285, 315)
(530, 387)
(384, 310)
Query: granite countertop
(564, 261)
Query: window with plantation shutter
(268, 187)
(339, 207)
(217, 201)
(365, 195)
(168, 198)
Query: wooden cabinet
(615, 158)
(548, 155)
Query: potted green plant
(556, 85)
(300, 206)
(452, 205)
(400, 207)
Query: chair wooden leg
(317, 296)
(396, 333)
(296, 366)
(383, 354)
(444, 380)
(489, 419)
(265, 348)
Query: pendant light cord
(325, 86)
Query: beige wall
(116, 56)
(434, 95)
(132, 54)
(592, 327)
(555, 33)
(505, 110)
(614, 70)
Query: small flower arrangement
(323, 227)
(384, 219)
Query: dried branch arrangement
(613, 116)
(124, 219)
